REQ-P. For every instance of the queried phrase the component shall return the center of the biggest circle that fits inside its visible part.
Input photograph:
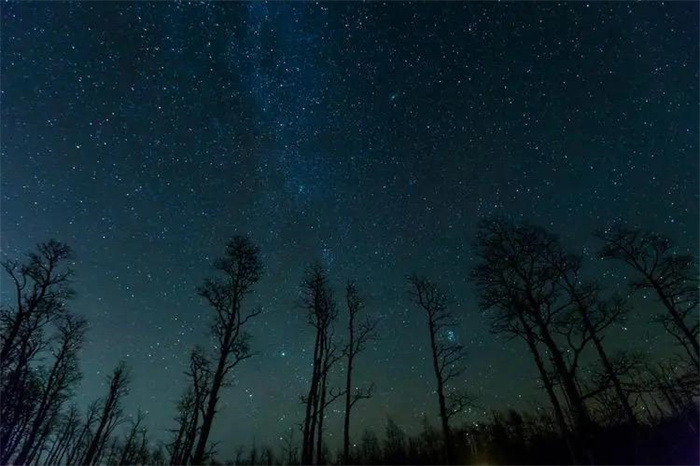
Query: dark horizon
(370, 138)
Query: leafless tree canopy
(447, 356)
(532, 290)
(240, 268)
(671, 276)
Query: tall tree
(594, 313)
(68, 426)
(130, 450)
(62, 376)
(331, 355)
(41, 286)
(78, 447)
(189, 408)
(110, 415)
(317, 299)
(359, 333)
(519, 284)
(241, 269)
(672, 276)
(447, 355)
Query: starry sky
(370, 136)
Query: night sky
(372, 137)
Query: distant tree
(130, 450)
(115, 449)
(189, 408)
(672, 276)
(67, 430)
(239, 456)
(242, 268)
(446, 355)
(79, 446)
(359, 333)
(267, 457)
(394, 443)
(369, 448)
(290, 451)
(429, 442)
(158, 457)
(317, 299)
(111, 414)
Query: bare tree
(190, 408)
(394, 443)
(68, 428)
(447, 355)
(129, 452)
(317, 299)
(359, 333)
(672, 276)
(41, 287)
(524, 291)
(290, 452)
(241, 268)
(111, 413)
(331, 355)
(595, 314)
(62, 376)
(82, 441)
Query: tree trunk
(444, 418)
(309, 424)
(321, 411)
(572, 446)
(348, 406)
(208, 419)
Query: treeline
(605, 407)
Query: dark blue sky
(371, 136)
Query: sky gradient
(372, 137)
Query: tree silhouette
(359, 333)
(446, 355)
(133, 451)
(594, 313)
(672, 276)
(82, 442)
(111, 414)
(41, 285)
(532, 288)
(317, 299)
(67, 429)
(518, 282)
(190, 407)
(331, 355)
(370, 450)
(394, 443)
(242, 268)
(290, 452)
(55, 390)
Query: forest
(631, 408)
